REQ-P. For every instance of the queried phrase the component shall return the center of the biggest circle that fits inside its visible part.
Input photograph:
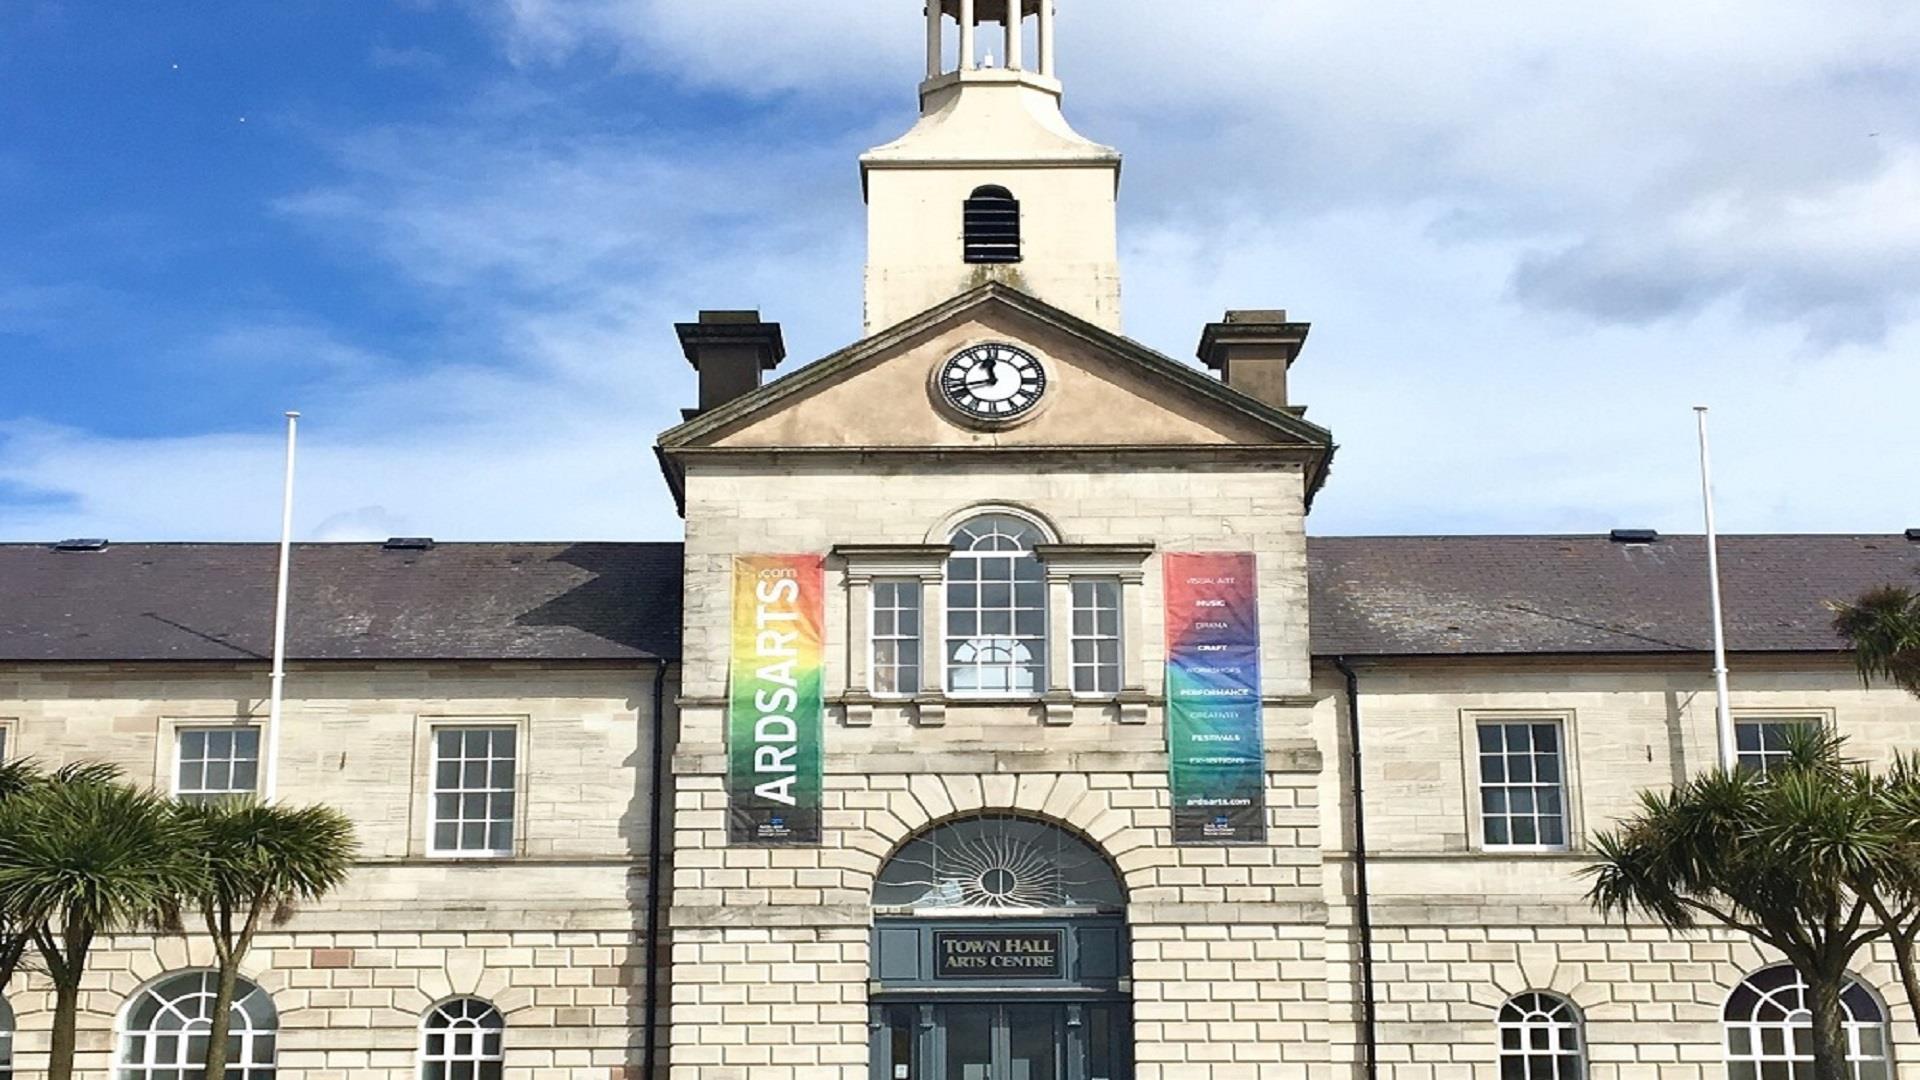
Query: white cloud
(1608, 136)
(558, 272)
(1530, 237)
(1457, 412)
(753, 46)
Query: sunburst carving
(997, 863)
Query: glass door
(970, 1035)
(1035, 1041)
(992, 1041)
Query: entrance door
(1035, 1037)
(1002, 1041)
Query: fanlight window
(991, 219)
(1770, 1029)
(461, 1040)
(996, 608)
(165, 1035)
(997, 863)
(1540, 1039)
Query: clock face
(993, 381)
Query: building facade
(996, 719)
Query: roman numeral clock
(995, 382)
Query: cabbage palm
(82, 855)
(1896, 897)
(1882, 628)
(17, 777)
(258, 861)
(16, 938)
(1788, 856)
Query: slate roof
(1455, 595)
(1371, 596)
(197, 602)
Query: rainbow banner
(774, 707)
(1214, 743)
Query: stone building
(996, 719)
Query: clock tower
(992, 183)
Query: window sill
(1121, 697)
(963, 698)
(471, 856)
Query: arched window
(998, 862)
(164, 1035)
(996, 608)
(1770, 1029)
(6, 1040)
(461, 1040)
(1540, 1039)
(992, 225)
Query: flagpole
(1723, 712)
(277, 680)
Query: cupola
(992, 183)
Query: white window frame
(433, 728)
(1470, 722)
(147, 1040)
(480, 1057)
(1854, 1028)
(1822, 718)
(1041, 662)
(1562, 1017)
(1118, 637)
(179, 732)
(914, 587)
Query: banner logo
(1216, 748)
(774, 707)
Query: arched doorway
(1000, 953)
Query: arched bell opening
(1000, 950)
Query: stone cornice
(1120, 560)
(1299, 756)
(865, 561)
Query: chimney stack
(730, 350)
(1252, 351)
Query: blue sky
(456, 235)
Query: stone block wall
(1241, 998)
(1174, 505)
(1650, 1000)
(1228, 966)
(1459, 930)
(552, 936)
(351, 1002)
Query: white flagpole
(1723, 713)
(279, 676)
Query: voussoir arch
(942, 530)
(1063, 800)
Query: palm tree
(16, 778)
(83, 855)
(1789, 856)
(1895, 894)
(1883, 629)
(16, 938)
(258, 860)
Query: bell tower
(992, 184)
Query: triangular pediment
(1104, 392)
